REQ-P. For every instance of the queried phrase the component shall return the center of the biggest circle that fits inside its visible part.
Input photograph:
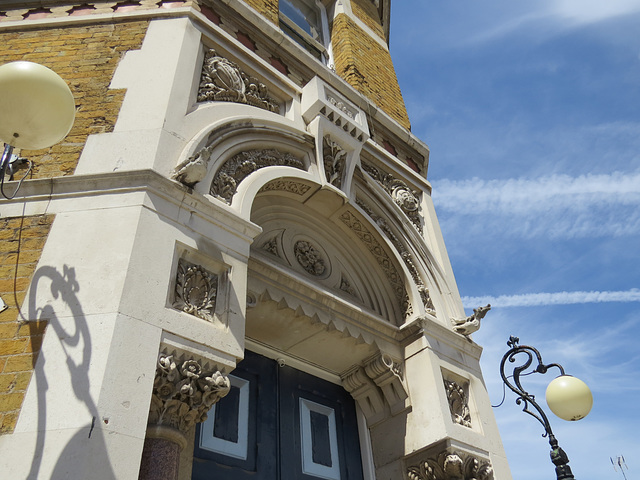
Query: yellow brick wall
(268, 8)
(367, 66)
(21, 242)
(366, 11)
(85, 57)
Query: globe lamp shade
(569, 398)
(37, 108)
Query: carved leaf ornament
(196, 291)
(222, 80)
(240, 166)
(183, 393)
(458, 403)
(451, 466)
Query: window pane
(304, 14)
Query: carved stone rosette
(196, 291)
(240, 166)
(309, 258)
(183, 393)
(402, 195)
(335, 159)
(222, 80)
(458, 403)
(451, 466)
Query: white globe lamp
(569, 398)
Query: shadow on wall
(75, 342)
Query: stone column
(182, 396)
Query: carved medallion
(238, 167)
(309, 258)
(458, 403)
(451, 466)
(334, 158)
(196, 291)
(183, 393)
(223, 81)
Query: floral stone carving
(402, 195)
(196, 291)
(309, 258)
(451, 466)
(240, 166)
(458, 403)
(334, 158)
(222, 80)
(183, 393)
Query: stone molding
(223, 81)
(196, 291)
(423, 290)
(458, 403)
(183, 392)
(451, 465)
(225, 183)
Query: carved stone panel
(451, 465)
(183, 392)
(309, 258)
(222, 80)
(458, 402)
(240, 166)
(196, 291)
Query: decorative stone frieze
(451, 466)
(183, 392)
(290, 186)
(387, 374)
(458, 403)
(196, 291)
(369, 240)
(223, 81)
(237, 168)
(335, 159)
(408, 200)
(404, 253)
(309, 258)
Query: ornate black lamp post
(567, 397)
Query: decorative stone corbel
(387, 374)
(364, 391)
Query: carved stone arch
(222, 157)
(429, 287)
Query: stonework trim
(451, 465)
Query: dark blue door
(279, 423)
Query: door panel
(278, 423)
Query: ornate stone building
(231, 267)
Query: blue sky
(532, 114)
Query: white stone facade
(322, 250)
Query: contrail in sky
(558, 298)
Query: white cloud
(557, 206)
(591, 11)
(558, 298)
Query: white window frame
(324, 48)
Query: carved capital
(183, 393)
(451, 466)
